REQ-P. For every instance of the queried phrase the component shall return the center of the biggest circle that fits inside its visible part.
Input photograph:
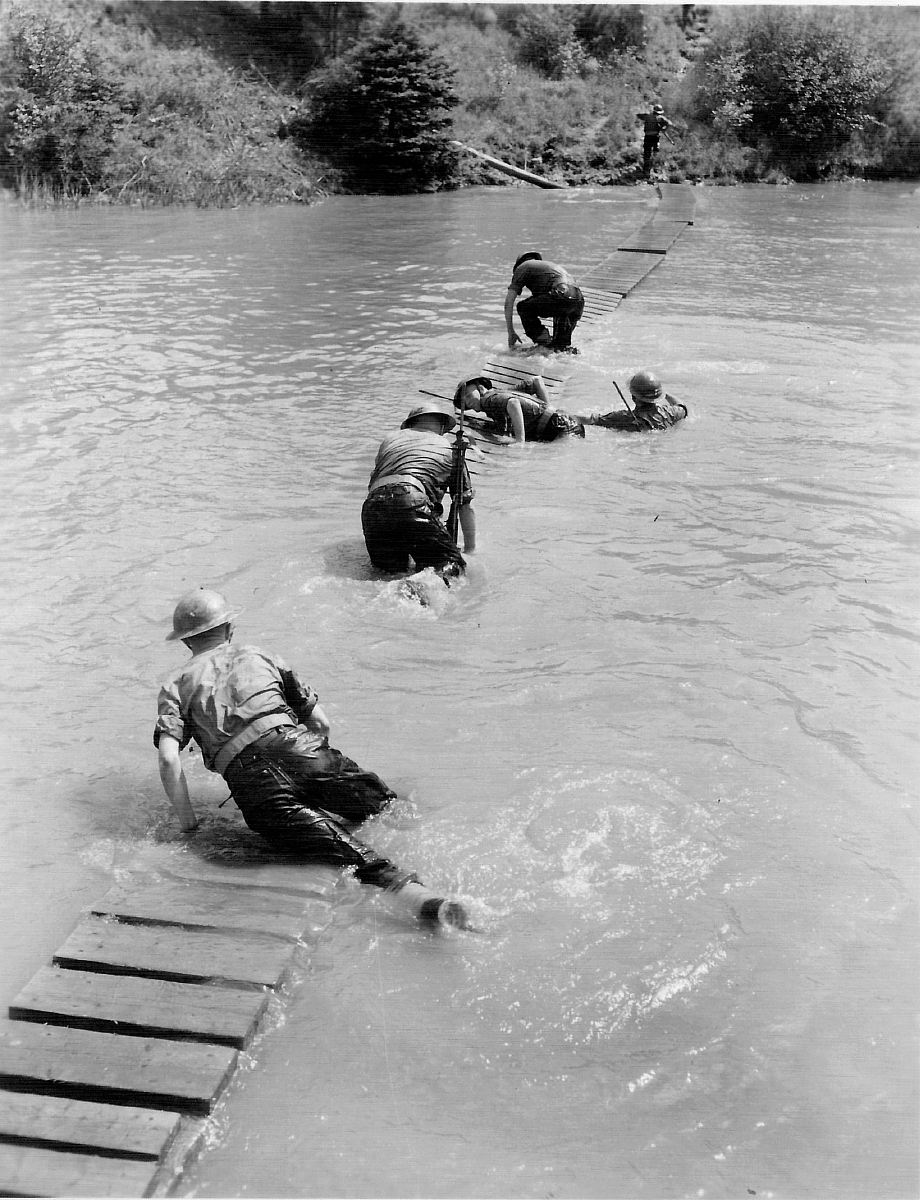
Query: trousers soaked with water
(302, 798)
(399, 522)
(564, 303)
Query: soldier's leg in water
(432, 545)
(530, 311)
(269, 799)
(384, 537)
(268, 783)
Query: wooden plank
(597, 303)
(624, 271)
(678, 201)
(107, 1067)
(128, 1004)
(29, 1171)
(170, 952)
(207, 905)
(118, 1130)
(656, 236)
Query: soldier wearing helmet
(553, 293)
(262, 728)
(525, 413)
(402, 514)
(655, 123)
(653, 407)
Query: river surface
(663, 737)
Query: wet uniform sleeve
(518, 279)
(299, 696)
(169, 717)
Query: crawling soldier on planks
(261, 727)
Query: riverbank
(149, 103)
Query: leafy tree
(59, 108)
(313, 32)
(792, 82)
(608, 29)
(547, 42)
(380, 114)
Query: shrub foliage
(792, 84)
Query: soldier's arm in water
(516, 417)
(534, 386)
(318, 722)
(510, 297)
(172, 776)
(468, 525)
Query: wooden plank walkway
(656, 236)
(35, 1171)
(149, 1007)
(184, 954)
(208, 906)
(140, 1133)
(610, 281)
(116, 1052)
(112, 1068)
(622, 271)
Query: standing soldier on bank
(262, 728)
(655, 124)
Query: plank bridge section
(115, 1053)
(605, 285)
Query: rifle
(453, 518)
(630, 411)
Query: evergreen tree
(380, 114)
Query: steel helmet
(467, 381)
(528, 254)
(646, 386)
(658, 108)
(198, 611)
(431, 409)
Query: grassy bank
(168, 101)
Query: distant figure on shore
(525, 413)
(654, 408)
(553, 293)
(655, 124)
(261, 727)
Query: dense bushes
(793, 86)
(60, 108)
(116, 116)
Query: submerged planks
(622, 271)
(111, 1068)
(656, 236)
(139, 1020)
(207, 905)
(35, 1171)
(109, 1129)
(150, 1007)
(184, 954)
